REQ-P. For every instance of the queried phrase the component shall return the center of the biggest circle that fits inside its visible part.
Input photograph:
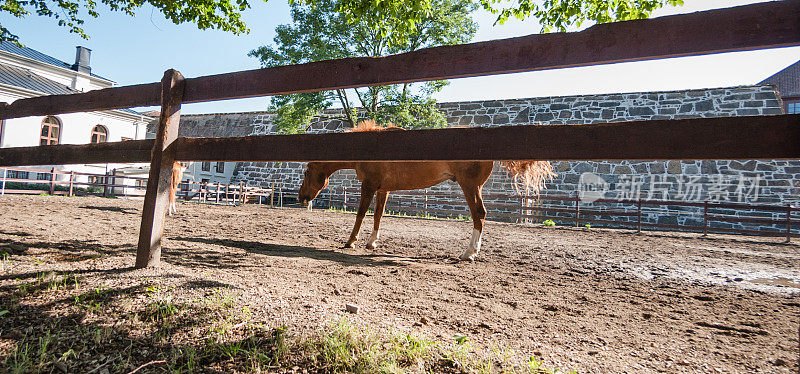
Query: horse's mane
(371, 125)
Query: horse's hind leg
(478, 212)
(363, 207)
(380, 204)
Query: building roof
(38, 56)
(787, 80)
(211, 125)
(24, 78)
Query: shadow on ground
(227, 259)
(111, 209)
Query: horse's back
(412, 175)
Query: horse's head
(314, 180)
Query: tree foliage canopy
(553, 15)
(558, 15)
(320, 31)
(206, 14)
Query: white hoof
(474, 247)
(468, 255)
(372, 242)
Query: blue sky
(132, 50)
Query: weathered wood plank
(757, 26)
(764, 137)
(156, 199)
(129, 151)
(766, 25)
(104, 99)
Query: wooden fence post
(148, 253)
(705, 218)
(281, 196)
(227, 193)
(52, 181)
(71, 180)
(344, 200)
(426, 204)
(242, 199)
(788, 223)
(3, 187)
(639, 215)
(114, 182)
(577, 210)
(104, 181)
(272, 196)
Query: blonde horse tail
(530, 175)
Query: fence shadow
(67, 250)
(112, 209)
(275, 250)
(120, 346)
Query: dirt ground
(593, 300)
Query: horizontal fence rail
(65, 154)
(758, 26)
(762, 137)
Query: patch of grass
(5, 261)
(215, 333)
(341, 347)
(160, 311)
(49, 281)
(92, 300)
(30, 355)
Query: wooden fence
(112, 184)
(757, 26)
(570, 208)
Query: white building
(25, 72)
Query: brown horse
(382, 177)
(177, 173)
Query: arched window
(99, 134)
(51, 129)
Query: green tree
(554, 15)
(207, 14)
(558, 15)
(319, 31)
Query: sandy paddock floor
(594, 300)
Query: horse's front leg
(363, 207)
(380, 204)
(478, 212)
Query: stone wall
(762, 181)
